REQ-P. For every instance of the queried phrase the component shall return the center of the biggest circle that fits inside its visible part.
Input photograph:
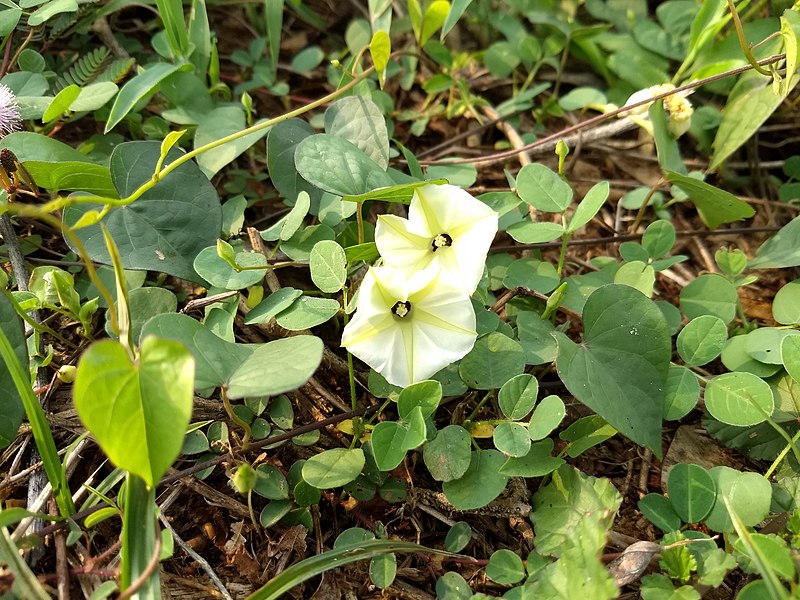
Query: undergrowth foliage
(242, 260)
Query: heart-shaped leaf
(245, 369)
(137, 410)
(167, 227)
(620, 369)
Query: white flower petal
(398, 246)
(438, 329)
(440, 210)
(445, 208)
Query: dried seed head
(10, 117)
(8, 161)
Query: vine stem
(501, 156)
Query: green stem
(789, 441)
(350, 370)
(743, 40)
(239, 134)
(562, 254)
(234, 417)
(478, 407)
(792, 445)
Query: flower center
(401, 309)
(443, 240)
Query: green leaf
(781, 250)
(137, 88)
(588, 207)
(535, 232)
(307, 312)
(435, 16)
(448, 456)
(361, 252)
(389, 444)
(715, 206)
(681, 394)
(659, 238)
(338, 166)
(571, 498)
(424, 395)
(333, 468)
(50, 9)
(764, 344)
(457, 9)
(543, 189)
(702, 340)
(137, 411)
(660, 512)
(637, 275)
(219, 123)
(774, 550)
(534, 274)
(512, 439)
(518, 395)
(358, 120)
(786, 304)
(538, 462)
(493, 360)
(505, 567)
(451, 585)
(28, 146)
(748, 494)
(710, 294)
(167, 227)
(501, 58)
(94, 96)
(11, 410)
(72, 175)
(790, 25)
(481, 484)
(281, 145)
(246, 369)
(744, 114)
(790, 356)
(458, 536)
(328, 265)
(145, 303)
(276, 302)
(620, 369)
(380, 47)
(547, 416)
(219, 273)
(60, 104)
(287, 226)
(270, 483)
(382, 570)
(740, 399)
(691, 492)
(535, 336)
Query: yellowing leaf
(380, 47)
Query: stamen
(401, 309)
(443, 240)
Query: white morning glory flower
(408, 327)
(447, 227)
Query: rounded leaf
(692, 492)
(333, 468)
(518, 395)
(505, 567)
(493, 360)
(481, 484)
(702, 340)
(740, 399)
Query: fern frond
(85, 70)
(117, 70)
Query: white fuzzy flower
(679, 109)
(446, 227)
(10, 118)
(408, 327)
